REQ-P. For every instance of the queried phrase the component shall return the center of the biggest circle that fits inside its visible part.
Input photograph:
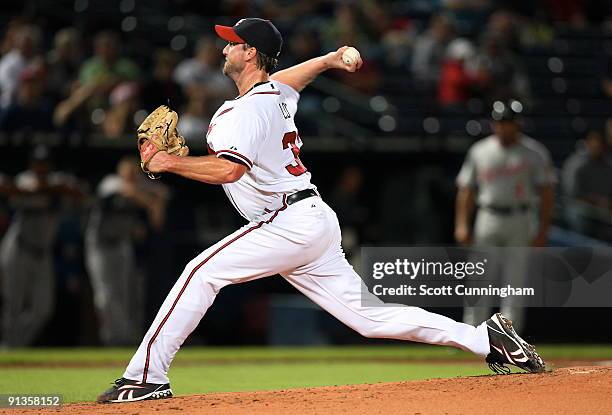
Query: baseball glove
(159, 129)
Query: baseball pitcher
(254, 148)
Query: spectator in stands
(397, 44)
(194, 119)
(593, 177)
(112, 231)
(503, 26)
(63, 63)
(124, 102)
(26, 250)
(430, 51)
(160, 88)
(501, 72)
(378, 21)
(201, 75)
(11, 33)
(71, 113)
(31, 111)
(346, 28)
(535, 33)
(588, 176)
(457, 78)
(104, 76)
(107, 68)
(24, 53)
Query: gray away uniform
(507, 181)
(109, 255)
(26, 257)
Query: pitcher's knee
(203, 278)
(191, 267)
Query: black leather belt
(506, 210)
(301, 195)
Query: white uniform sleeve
(467, 175)
(242, 133)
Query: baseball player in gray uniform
(109, 250)
(507, 177)
(255, 146)
(26, 255)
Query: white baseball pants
(302, 243)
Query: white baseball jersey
(506, 176)
(258, 130)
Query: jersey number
(289, 141)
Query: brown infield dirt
(573, 390)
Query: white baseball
(350, 56)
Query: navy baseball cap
(259, 33)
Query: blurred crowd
(459, 56)
(62, 89)
(587, 185)
(454, 53)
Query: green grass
(84, 384)
(213, 369)
(246, 354)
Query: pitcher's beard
(229, 69)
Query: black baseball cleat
(126, 390)
(507, 347)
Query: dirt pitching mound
(575, 390)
